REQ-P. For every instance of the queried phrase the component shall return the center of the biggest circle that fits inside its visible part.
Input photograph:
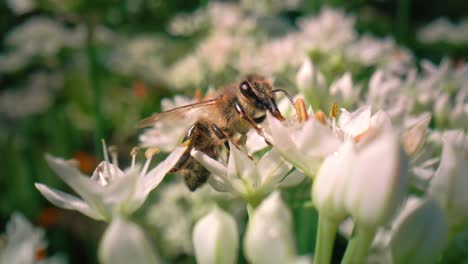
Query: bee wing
(179, 111)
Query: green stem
(358, 246)
(95, 86)
(325, 239)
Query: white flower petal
(292, 179)
(157, 174)
(419, 232)
(67, 201)
(241, 167)
(125, 242)
(380, 172)
(84, 186)
(209, 163)
(272, 168)
(355, 123)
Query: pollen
(301, 110)
(150, 152)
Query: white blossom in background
(344, 91)
(442, 30)
(270, 7)
(125, 242)
(269, 237)
(20, 7)
(139, 56)
(387, 92)
(109, 191)
(39, 37)
(36, 96)
(447, 186)
(25, 244)
(216, 238)
(248, 179)
(331, 29)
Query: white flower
(442, 30)
(419, 232)
(20, 7)
(109, 190)
(216, 238)
(25, 244)
(448, 185)
(310, 81)
(374, 166)
(248, 179)
(386, 93)
(269, 236)
(343, 91)
(125, 242)
(330, 30)
(303, 145)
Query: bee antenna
(286, 93)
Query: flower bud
(448, 187)
(269, 237)
(125, 242)
(215, 238)
(419, 232)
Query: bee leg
(185, 158)
(259, 119)
(247, 117)
(221, 135)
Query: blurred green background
(84, 93)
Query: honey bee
(227, 116)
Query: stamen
(320, 116)
(104, 149)
(133, 153)
(149, 155)
(113, 152)
(301, 111)
(334, 111)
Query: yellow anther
(301, 110)
(112, 149)
(334, 111)
(150, 152)
(320, 116)
(134, 151)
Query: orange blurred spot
(320, 116)
(87, 162)
(198, 95)
(48, 217)
(139, 89)
(41, 253)
(360, 136)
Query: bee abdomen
(195, 175)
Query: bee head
(258, 92)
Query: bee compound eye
(245, 87)
(246, 90)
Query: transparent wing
(181, 111)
